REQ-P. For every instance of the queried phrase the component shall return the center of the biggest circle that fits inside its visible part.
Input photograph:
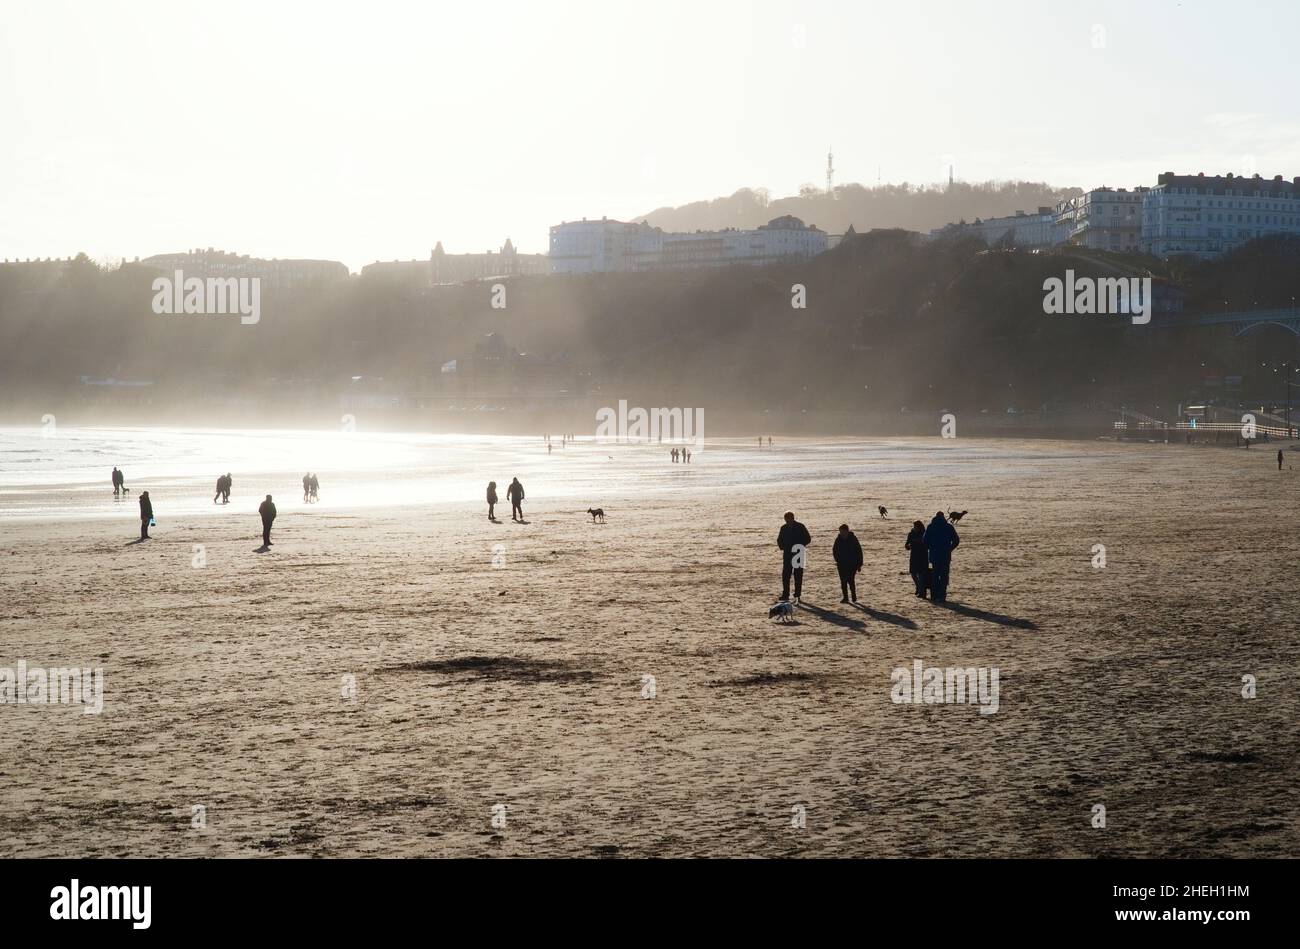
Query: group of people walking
(267, 511)
(929, 557)
(514, 493)
(681, 454)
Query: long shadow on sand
(138, 540)
(835, 619)
(261, 550)
(1000, 618)
(891, 618)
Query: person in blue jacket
(940, 541)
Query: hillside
(908, 207)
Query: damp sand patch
(502, 668)
(769, 679)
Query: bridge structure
(1237, 322)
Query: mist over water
(68, 475)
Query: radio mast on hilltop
(830, 173)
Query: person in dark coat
(267, 510)
(306, 486)
(221, 488)
(516, 495)
(146, 514)
(918, 564)
(793, 539)
(848, 561)
(492, 500)
(940, 541)
(225, 491)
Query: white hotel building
(1103, 219)
(1205, 217)
(1018, 230)
(607, 246)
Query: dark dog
(956, 516)
(784, 611)
(597, 514)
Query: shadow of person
(138, 540)
(261, 550)
(989, 617)
(835, 619)
(892, 618)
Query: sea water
(67, 474)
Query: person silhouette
(267, 510)
(940, 541)
(146, 515)
(516, 495)
(793, 540)
(918, 563)
(847, 552)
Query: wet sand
(521, 684)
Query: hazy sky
(370, 130)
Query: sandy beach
(506, 664)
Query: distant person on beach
(516, 495)
(306, 486)
(315, 488)
(1279, 459)
(267, 510)
(146, 515)
(793, 539)
(225, 492)
(848, 561)
(940, 541)
(119, 482)
(492, 500)
(918, 564)
(221, 483)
